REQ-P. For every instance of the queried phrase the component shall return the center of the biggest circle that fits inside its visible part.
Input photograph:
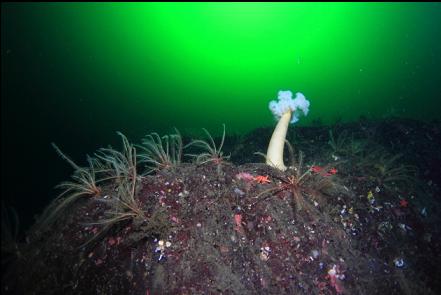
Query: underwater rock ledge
(341, 227)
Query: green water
(74, 73)
(152, 66)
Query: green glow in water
(194, 65)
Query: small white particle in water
(399, 262)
